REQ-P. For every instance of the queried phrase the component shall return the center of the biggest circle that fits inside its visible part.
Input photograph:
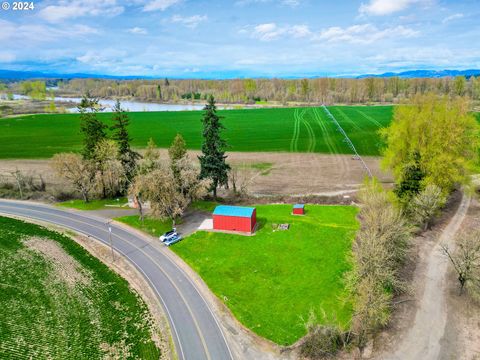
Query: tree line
(316, 90)
(108, 167)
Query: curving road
(195, 329)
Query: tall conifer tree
(92, 128)
(212, 161)
(127, 156)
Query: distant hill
(425, 74)
(24, 75)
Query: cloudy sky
(221, 38)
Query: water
(108, 105)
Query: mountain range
(24, 75)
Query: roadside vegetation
(60, 302)
(97, 204)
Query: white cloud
(161, 5)
(452, 17)
(6, 57)
(364, 34)
(271, 31)
(64, 10)
(385, 7)
(41, 33)
(291, 3)
(137, 30)
(102, 59)
(189, 21)
(300, 31)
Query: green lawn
(282, 129)
(272, 280)
(204, 205)
(59, 302)
(151, 226)
(98, 204)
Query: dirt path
(422, 340)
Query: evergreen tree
(92, 128)
(411, 181)
(127, 156)
(212, 161)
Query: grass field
(283, 129)
(154, 227)
(96, 204)
(272, 280)
(59, 302)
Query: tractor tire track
(296, 129)
(346, 118)
(312, 142)
(341, 160)
(371, 119)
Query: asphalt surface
(196, 332)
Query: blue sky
(213, 38)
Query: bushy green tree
(37, 90)
(444, 135)
(212, 160)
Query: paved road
(196, 332)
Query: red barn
(234, 218)
(299, 209)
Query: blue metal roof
(227, 210)
(298, 206)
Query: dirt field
(264, 173)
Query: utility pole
(110, 239)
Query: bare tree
(426, 205)
(378, 251)
(78, 172)
(17, 175)
(466, 259)
(161, 188)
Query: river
(108, 104)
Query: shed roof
(298, 206)
(240, 211)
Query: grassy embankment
(58, 301)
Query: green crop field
(59, 302)
(272, 280)
(284, 129)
